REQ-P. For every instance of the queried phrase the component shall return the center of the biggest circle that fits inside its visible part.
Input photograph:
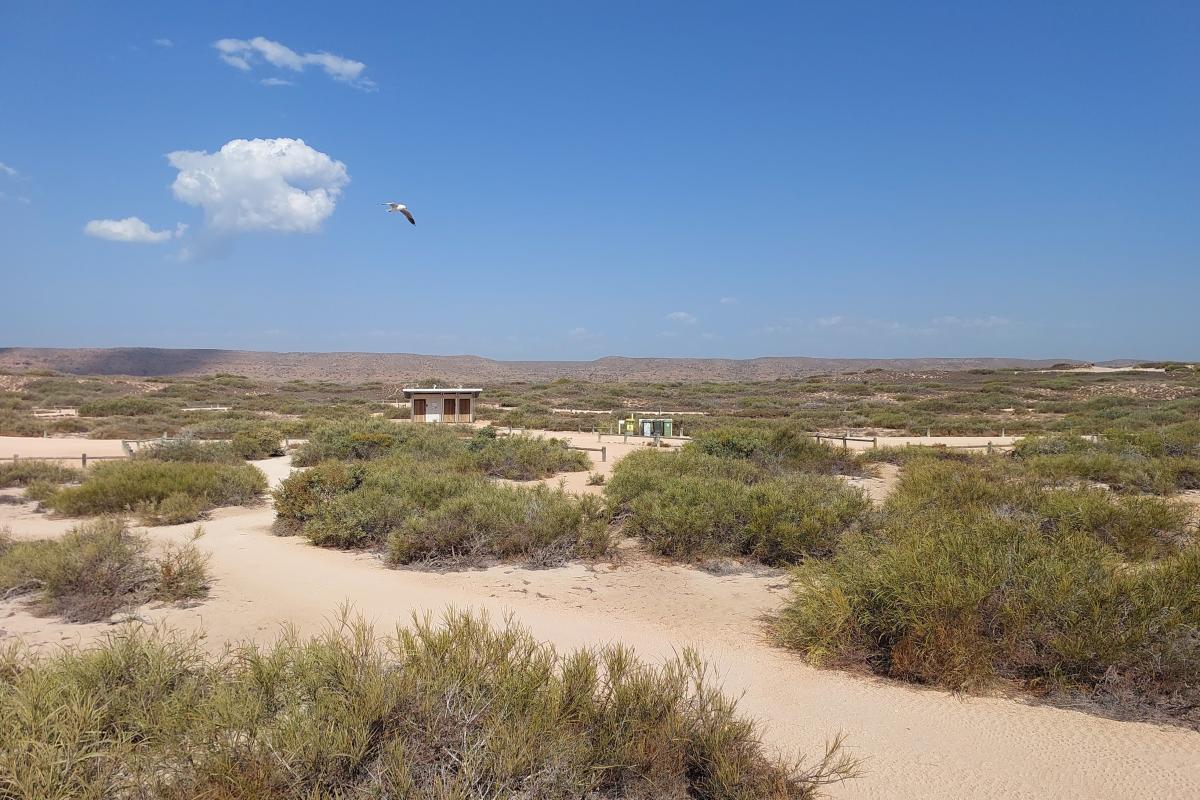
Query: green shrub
(258, 443)
(190, 450)
(502, 522)
(1137, 527)
(302, 493)
(777, 447)
(458, 710)
(777, 521)
(645, 470)
(119, 486)
(41, 491)
(27, 471)
(978, 573)
(524, 458)
(123, 407)
(512, 457)
(364, 439)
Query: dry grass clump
(26, 472)
(98, 568)
(977, 576)
(457, 710)
(428, 511)
(144, 485)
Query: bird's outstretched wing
(390, 206)
(408, 215)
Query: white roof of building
(442, 390)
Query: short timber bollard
(604, 453)
(874, 442)
(83, 458)
(845, 441)
(989, 448)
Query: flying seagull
(403, 209)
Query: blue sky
(633, 178)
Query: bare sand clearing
(52, 448)
(919, 743)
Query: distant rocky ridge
(401, 367)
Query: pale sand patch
(920, 743)
(53, 448)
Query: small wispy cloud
(163, 43)
(276, 82)
(582, 333)
(7, 170)
(729, 301)
(971, 322)
(245, 54)
(682, 317)
(130, 229)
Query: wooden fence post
(845, 441)
(83, 458)
(989, 448)
(604, 453)
(874, 442)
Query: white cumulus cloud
(163, 43)
(7, 170)
(682, 316)
(245, 53)
(260, 185)
(130, 229)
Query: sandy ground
(965, 442)
(57, 448)
(918, 743)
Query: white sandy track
(919, 743)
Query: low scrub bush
(120, 486)
(190, 450)
(26, 472)
(182, 572)
(365, 439)
(98, 568)
(777, 447)
(978, 574)
(173, 509)
(461, 709)
(426, 510)
(258, 443)
(1155, 462)
(512, 457)
(524, 458)
(124, 407)
(777, 521)
(1137, 527)
(492, 521)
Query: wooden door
(448, 410)
(419, 409)
(464, 409)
